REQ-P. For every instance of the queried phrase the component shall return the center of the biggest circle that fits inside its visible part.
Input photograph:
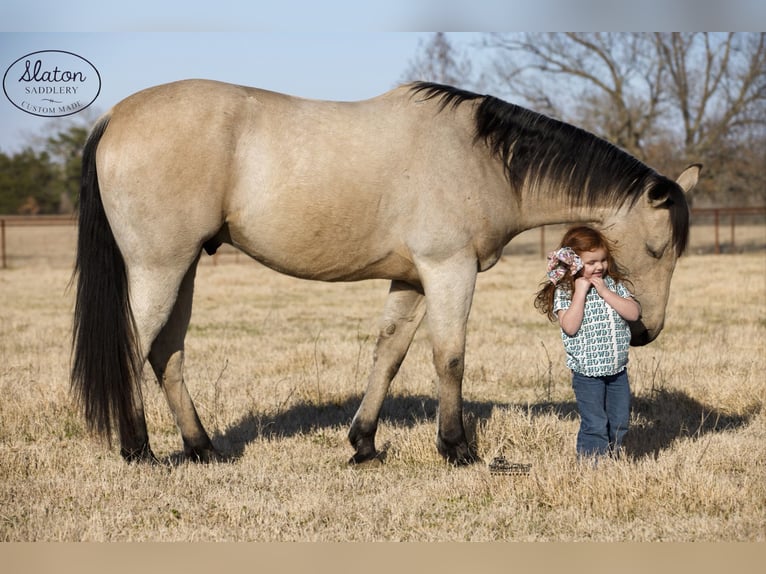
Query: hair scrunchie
(561, 261)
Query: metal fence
(15, 221)
(719, 216)
(716, 230)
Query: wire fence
(51, 240)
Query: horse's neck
(538, 208)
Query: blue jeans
(604, 405)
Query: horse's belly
(325, 260)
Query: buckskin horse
(422, 186)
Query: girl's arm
(627, 308)
(570, 319)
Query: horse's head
(650, 236)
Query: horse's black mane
(588, 169)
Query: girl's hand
(627, 308)
(581, 284)
(598, 282)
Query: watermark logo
(51, 83)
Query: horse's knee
(455, 366)
(168, 367)
(450, 366)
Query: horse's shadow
(658, 419)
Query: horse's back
(214, 130)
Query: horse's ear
(689, 177)
(661, 195)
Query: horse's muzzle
(640, 335)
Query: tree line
(669, 99)
(44, 178)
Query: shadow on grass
(666, 415)
(662, 417)
(658, 419)
(305, 417)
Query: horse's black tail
(105, 356)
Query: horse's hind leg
(167, 359)
(134, 443)
(153, 291)
(402, 315)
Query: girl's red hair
(581, 239)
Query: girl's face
(595, 263)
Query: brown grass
(277, 367)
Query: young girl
(585, 292)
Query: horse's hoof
(464, 460)
(370, 458)
(367, 460)
(142, 455)
(459, 454)
(204, 455)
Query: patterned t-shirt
(600, 347)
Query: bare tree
(717, 84)
(606, 82)
(439, 61)
(703, 92)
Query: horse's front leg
(449, 288)
(402, 315)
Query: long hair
(580, 239)
(105, 364)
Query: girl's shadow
(661, 418)
(666, 415)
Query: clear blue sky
(342, 66)
(277, 44)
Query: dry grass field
(277, 367)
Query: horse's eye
(656, 253)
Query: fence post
(715, 223)
(2, 241)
